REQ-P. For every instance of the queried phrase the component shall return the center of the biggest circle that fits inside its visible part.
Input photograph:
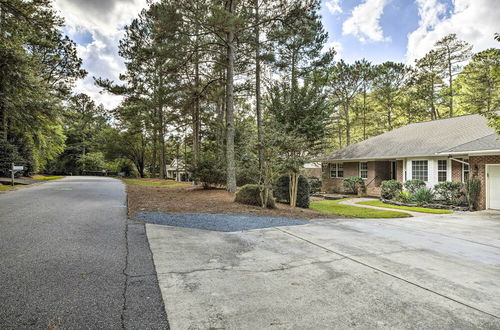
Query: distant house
(312, 170)
(176, 170)
(450, 149)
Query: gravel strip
(217, 222)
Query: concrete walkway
(353, 202)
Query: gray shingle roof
(489, 142)
(417, 140)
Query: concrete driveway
(439, 272)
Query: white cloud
(104, 20)
(474, 21)
(337, 46)
(333, 6)
(364, 22)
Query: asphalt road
(70, 259)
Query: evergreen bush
(414, 185)
(314, 184)
(209, 171)
(250, 194)
(473, 190)
(390, 189)
(450, 192)
(8, 155)
(282, 193)
(352, 184)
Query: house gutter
(491, 151)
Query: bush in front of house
(250, 194)
(282, 193)
(352, 184)
(472, 191)
(413, 185)
(450, 192)
(314, 184)
(422, 196)
(404, 196)
(390, 189)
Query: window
(442, 170)
(420, 170)
(363, 170)
(337, 170)
(465, 171)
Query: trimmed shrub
(282, 193)
(314, 184)
(450, 192)
(250, 194)
(210, 172)
(8, 155)
(414, 185)
(352, 184)
(472, 190)
(404, 196)
(423, 196)
(390, 189)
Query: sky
(378, 30)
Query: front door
(493, 177)
(393, 170)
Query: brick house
(450, 149)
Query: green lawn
(154, 183)
(408, 208)
(5, 187)
(47, 177)
(334, 207)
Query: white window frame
(463, 169)
(440, 171)
(363, 170)
(413, 172)
(335, 168)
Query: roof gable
(417, 139)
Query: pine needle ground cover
(334, 207)
(407, 208)
(155, 183)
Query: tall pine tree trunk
(230, 162)
(258, 108)
(196, 111)
(451, 85)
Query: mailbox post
(14, 170)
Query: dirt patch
(195, 199)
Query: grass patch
(154, 183)
(5, 187)
(334, 207)
(47, 177)
(408, 208)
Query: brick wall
(334, 185)
(456, 171)
(477, 167)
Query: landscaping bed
(428, 206)
(412, 207)
(178, 197)
(335, 207)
